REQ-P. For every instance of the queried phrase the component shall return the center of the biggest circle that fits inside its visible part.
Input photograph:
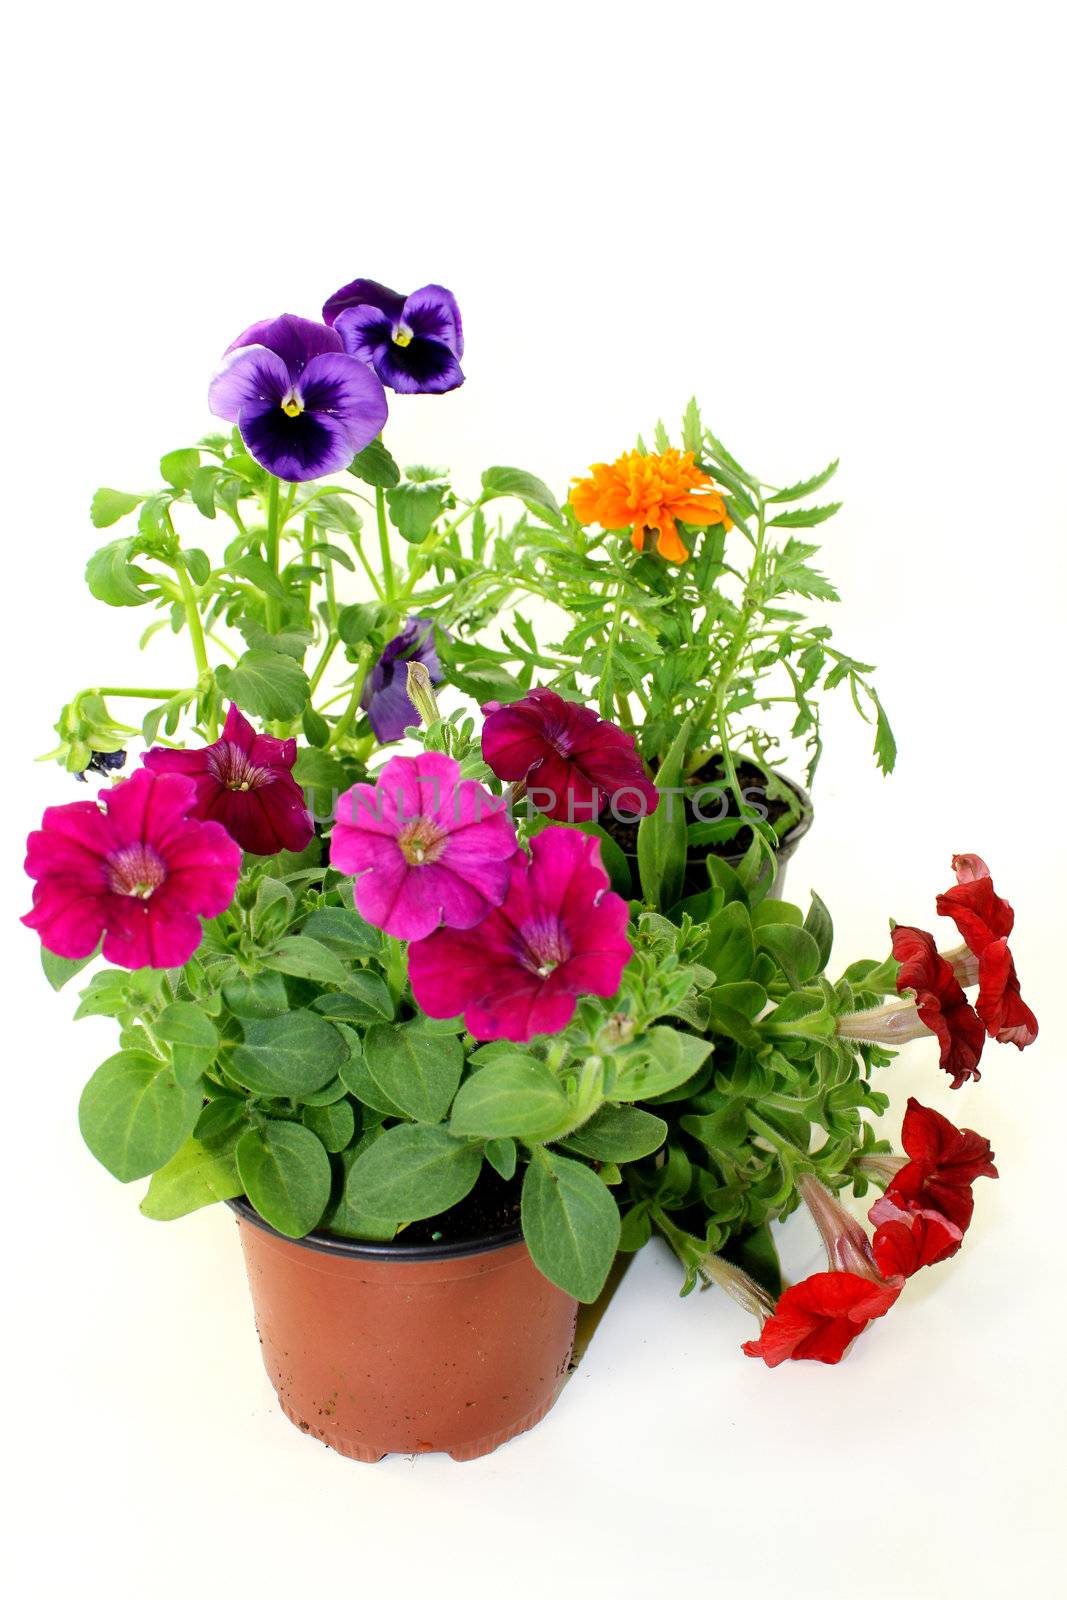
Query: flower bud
(420, 693)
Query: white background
(840, 225)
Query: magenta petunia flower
(572, 763)
(414, 342)
(560, 933)
(245, 781)
(429, 847)
(304, 408)
(137, 869)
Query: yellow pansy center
(292, 405)
(402, 335)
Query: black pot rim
(381, 1250)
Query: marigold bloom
(136, 868)
(429, 848)
(245, 781)
(985, 920)
(560, 933)
(650, 494)
(941, 1002)
(568, 755)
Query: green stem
(383, 541)
(316, 676)
(357, 545)
(349, 714)
(137, 694)
(196, 634)
(273, 519)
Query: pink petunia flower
(137, 869)
(566, 755)
(245, 781)
(560, 933)
(985, 920)
(429, 848)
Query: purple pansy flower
(304, 407)
(413, 341)
(428, 847)
(560, 933)
(385, 693)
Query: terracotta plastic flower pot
(375, 1348)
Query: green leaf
(794, 949)
(259, 574)
(286, 1175)
(196, 1175)
(618, 1133)
(692, 428)
(885, 746)
(113, 578)
(288, 1055)
(820, 925)
(180, 467)
(502, 1155)
(301, 957)
(515, 1096)
(263, 995)
(413, 1171)
(661, 837)
(415, 507)
(729, 950)
(344, 930)
(355, 1075)
(58, 970)
(192, 1037)
(376, 466)
(355, 622)
(316, 728)
(499, 481)
(134, 1114)
(418, 1072)
(333, 1125)
(571, 1224)
(666, 1059)
(111, 504)
(797, 491)
(202, 490)
(807, 518)
(266, 684)
(366, 998)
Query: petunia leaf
(514, 1096)
(135, 1113)
(265, 684)
(618, 1133)
(412, 1171)
(418, 1072)
(666, 1058)
(286, 1175)
(287, 1055)
(58, 970)
(571, 1224)
(196, 1175)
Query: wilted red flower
(906, 1240)
(817, 1320)
(245, 781)
(940, 1001)
(985, 920)
(945, 1162)
(565, 753)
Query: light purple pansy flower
(412, 341)
(428, 848)
(303, 406)
(385, 694)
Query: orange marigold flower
(650, 494)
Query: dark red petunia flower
(985, 920)
(940, 1001)
(818, 1319)
(245, 781)
(945, 1162)
(573, 763)
(905, 1240)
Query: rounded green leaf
(618, 1133)
(135, 1114)
(571, 1224)
(265, 684)
(195, 1176)
(286, 1175)
(417, 1072)
(192, 1036)
(293, 1054)
(413, 1171)
(333, 1125)
(666, 1058)
(514, 1096)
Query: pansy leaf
(266, 685)
(571, 1224)
(376, 466)
(415, 507)
(500, 481)
(179, 467)
(113, 578)
(109, 505)
(286, 1175)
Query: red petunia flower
(566, 755)
(818, 1319)
(945, 1162)
(985, 920)
(245, 781)
(906, 1240)
(940, 1001)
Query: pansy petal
(364, 331)
(298, 448)
(343, 388)
(425, 366)
(363, 292)
(253, 375)
(432, 313)
(295, 339)
(389, 711)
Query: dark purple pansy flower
(385, 693)
(304, 407)
(412, 341)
